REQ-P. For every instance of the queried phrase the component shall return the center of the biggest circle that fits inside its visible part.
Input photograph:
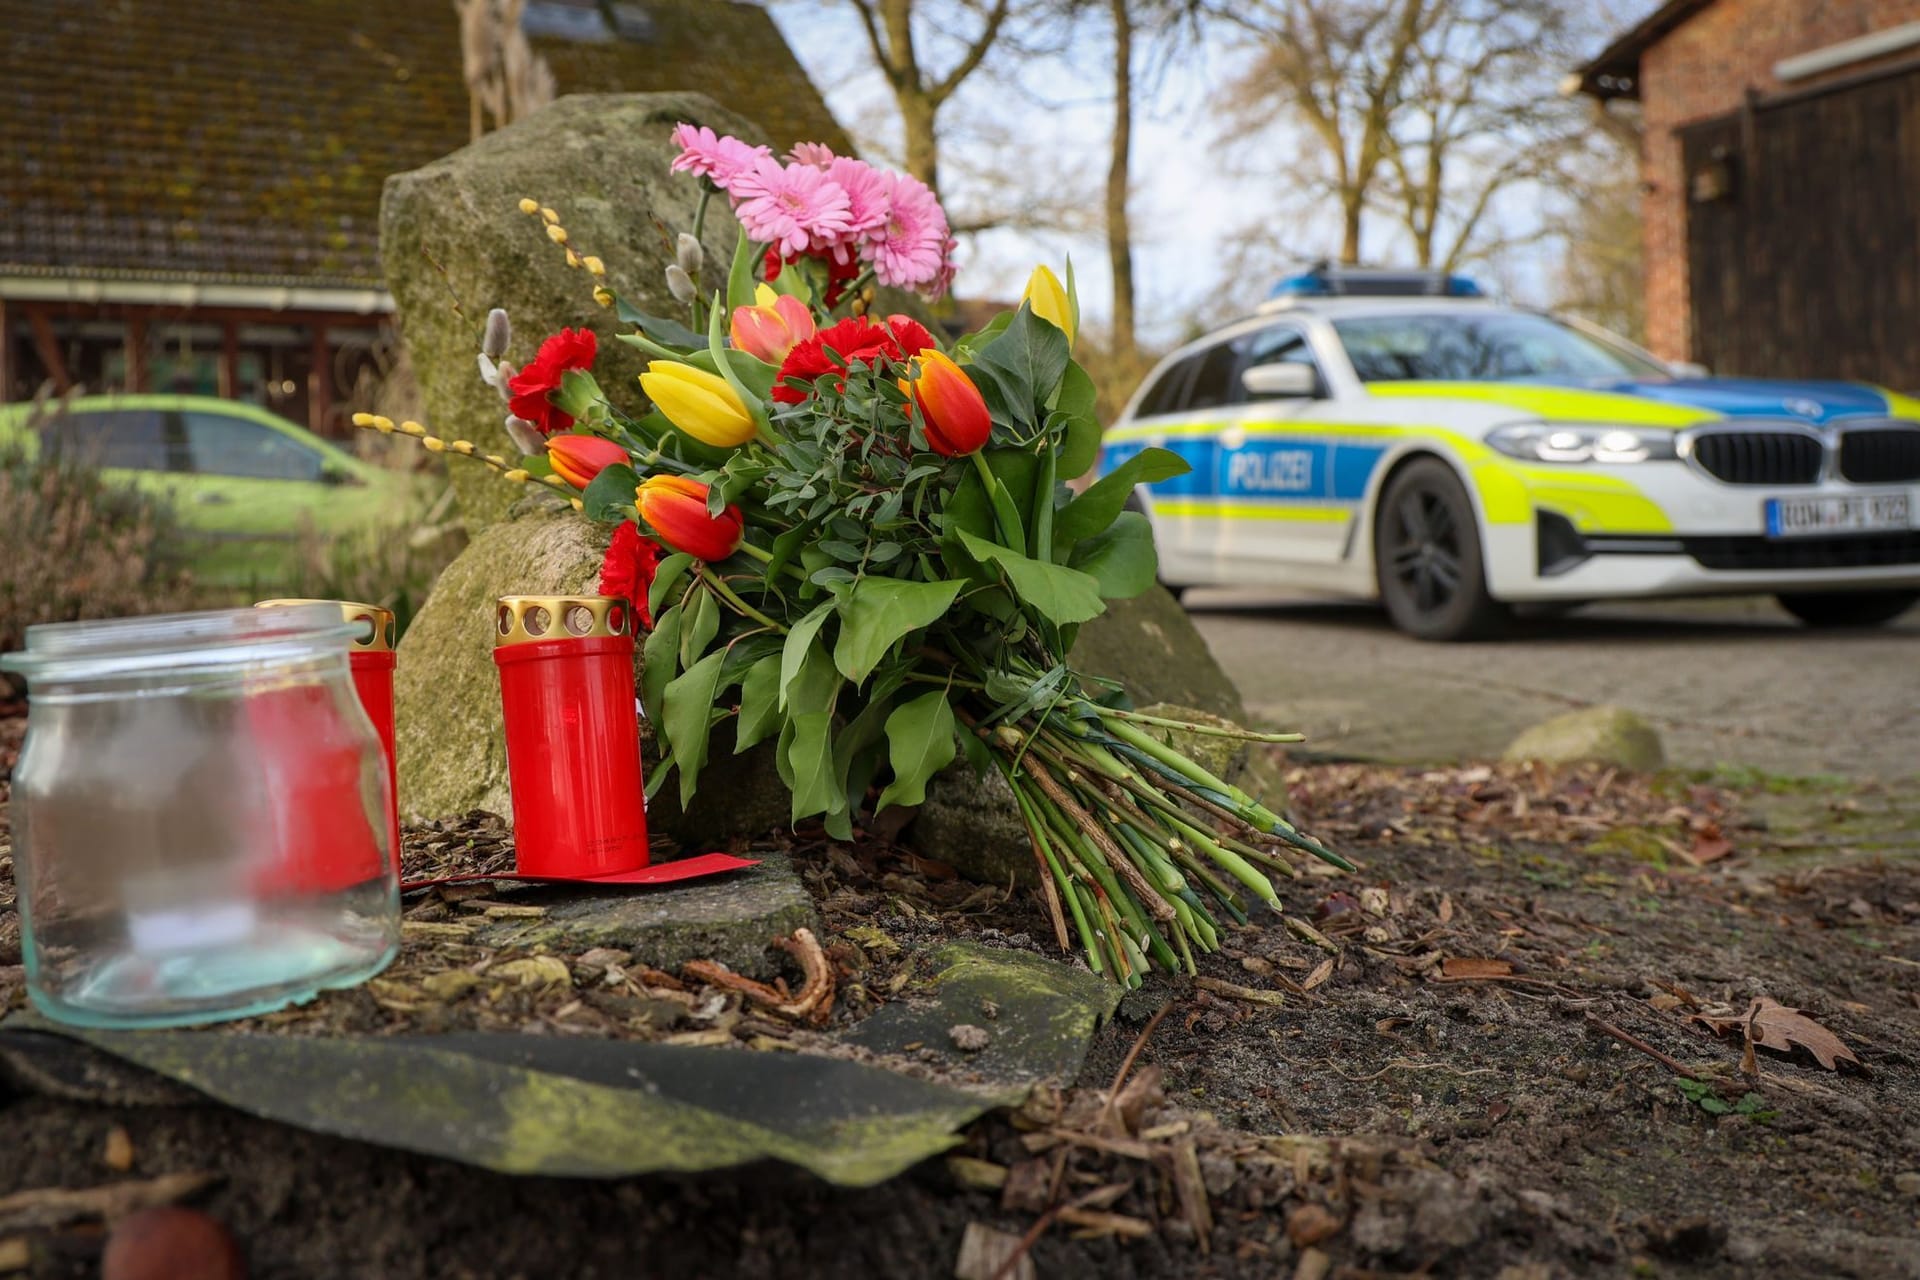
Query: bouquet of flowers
(858, 542)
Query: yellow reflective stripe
(1899, 406)
(1228, 509)
(1559, 404)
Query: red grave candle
(573, 735)
(370, 655)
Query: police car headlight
(1582, 442)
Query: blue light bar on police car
(1326, 281)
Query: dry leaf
(1446, 908)
(1774, 1026)
(1709, 846)
(1320, 974)
(1471, 967)
(1771, 1025)
(534, 971)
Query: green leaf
(1122, 559)
(1027, 361)
(964, 349)
(610, 493)
(702, 623)
(920, 743)
(810, 756)
(1095, 509)
(577, 393)
(878, 612)
(1060, 594)
(686, 719)
(759, 703)
(784, 548)
(1080, 445)
(666, 576)
(799, 643)
(669, 333)
(740, 273)
(662, 662)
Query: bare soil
(1489, 1054)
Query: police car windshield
(1488, 347)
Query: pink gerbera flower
(867, 204)
(817, 154)
(790, 207)
(948, 270)
(706, 154)
(909, 250)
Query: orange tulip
(675, 508)
(769, 328)
(578, 459)
(949, 406)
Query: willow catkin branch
(1123, 865)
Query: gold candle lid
(525, 619)
(376, 623)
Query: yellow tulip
(1048, 298)
(698, 403)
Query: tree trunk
(1119, 181)
(923, 144)
(1351, 204)
(916, 104)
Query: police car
(1399, 437)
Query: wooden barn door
(1803, 234)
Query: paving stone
(730, 918)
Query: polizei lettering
(1279, 471)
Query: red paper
(707, 864)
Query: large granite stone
(449, 734)
(454, 244)
(1151, 646)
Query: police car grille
(1855, 552)
(1759, 457)
(1880, 455)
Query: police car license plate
(1825, 517)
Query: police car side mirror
(1280, 380)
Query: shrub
(394, 568)
(73, 546)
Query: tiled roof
(247, 140)
(1615, 71)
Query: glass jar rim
(210, 638)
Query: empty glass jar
(199, 817)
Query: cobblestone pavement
(1726, 681)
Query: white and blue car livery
(1451, 456)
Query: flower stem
(1208, 730)
(725, 592)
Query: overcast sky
(1047, 123)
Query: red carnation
(565, 350)
(855, 338)
(839, 274)
(627, 571)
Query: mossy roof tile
(249, 139)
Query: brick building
(1780, 164)
(189, 193)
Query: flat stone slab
(730, 918)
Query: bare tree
(919, 89)
(1120, 177)
(1338, 67)
(505, 78)
(1478, 115)
(1599, 276)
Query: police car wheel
(1427, 557)
(1848, 608)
